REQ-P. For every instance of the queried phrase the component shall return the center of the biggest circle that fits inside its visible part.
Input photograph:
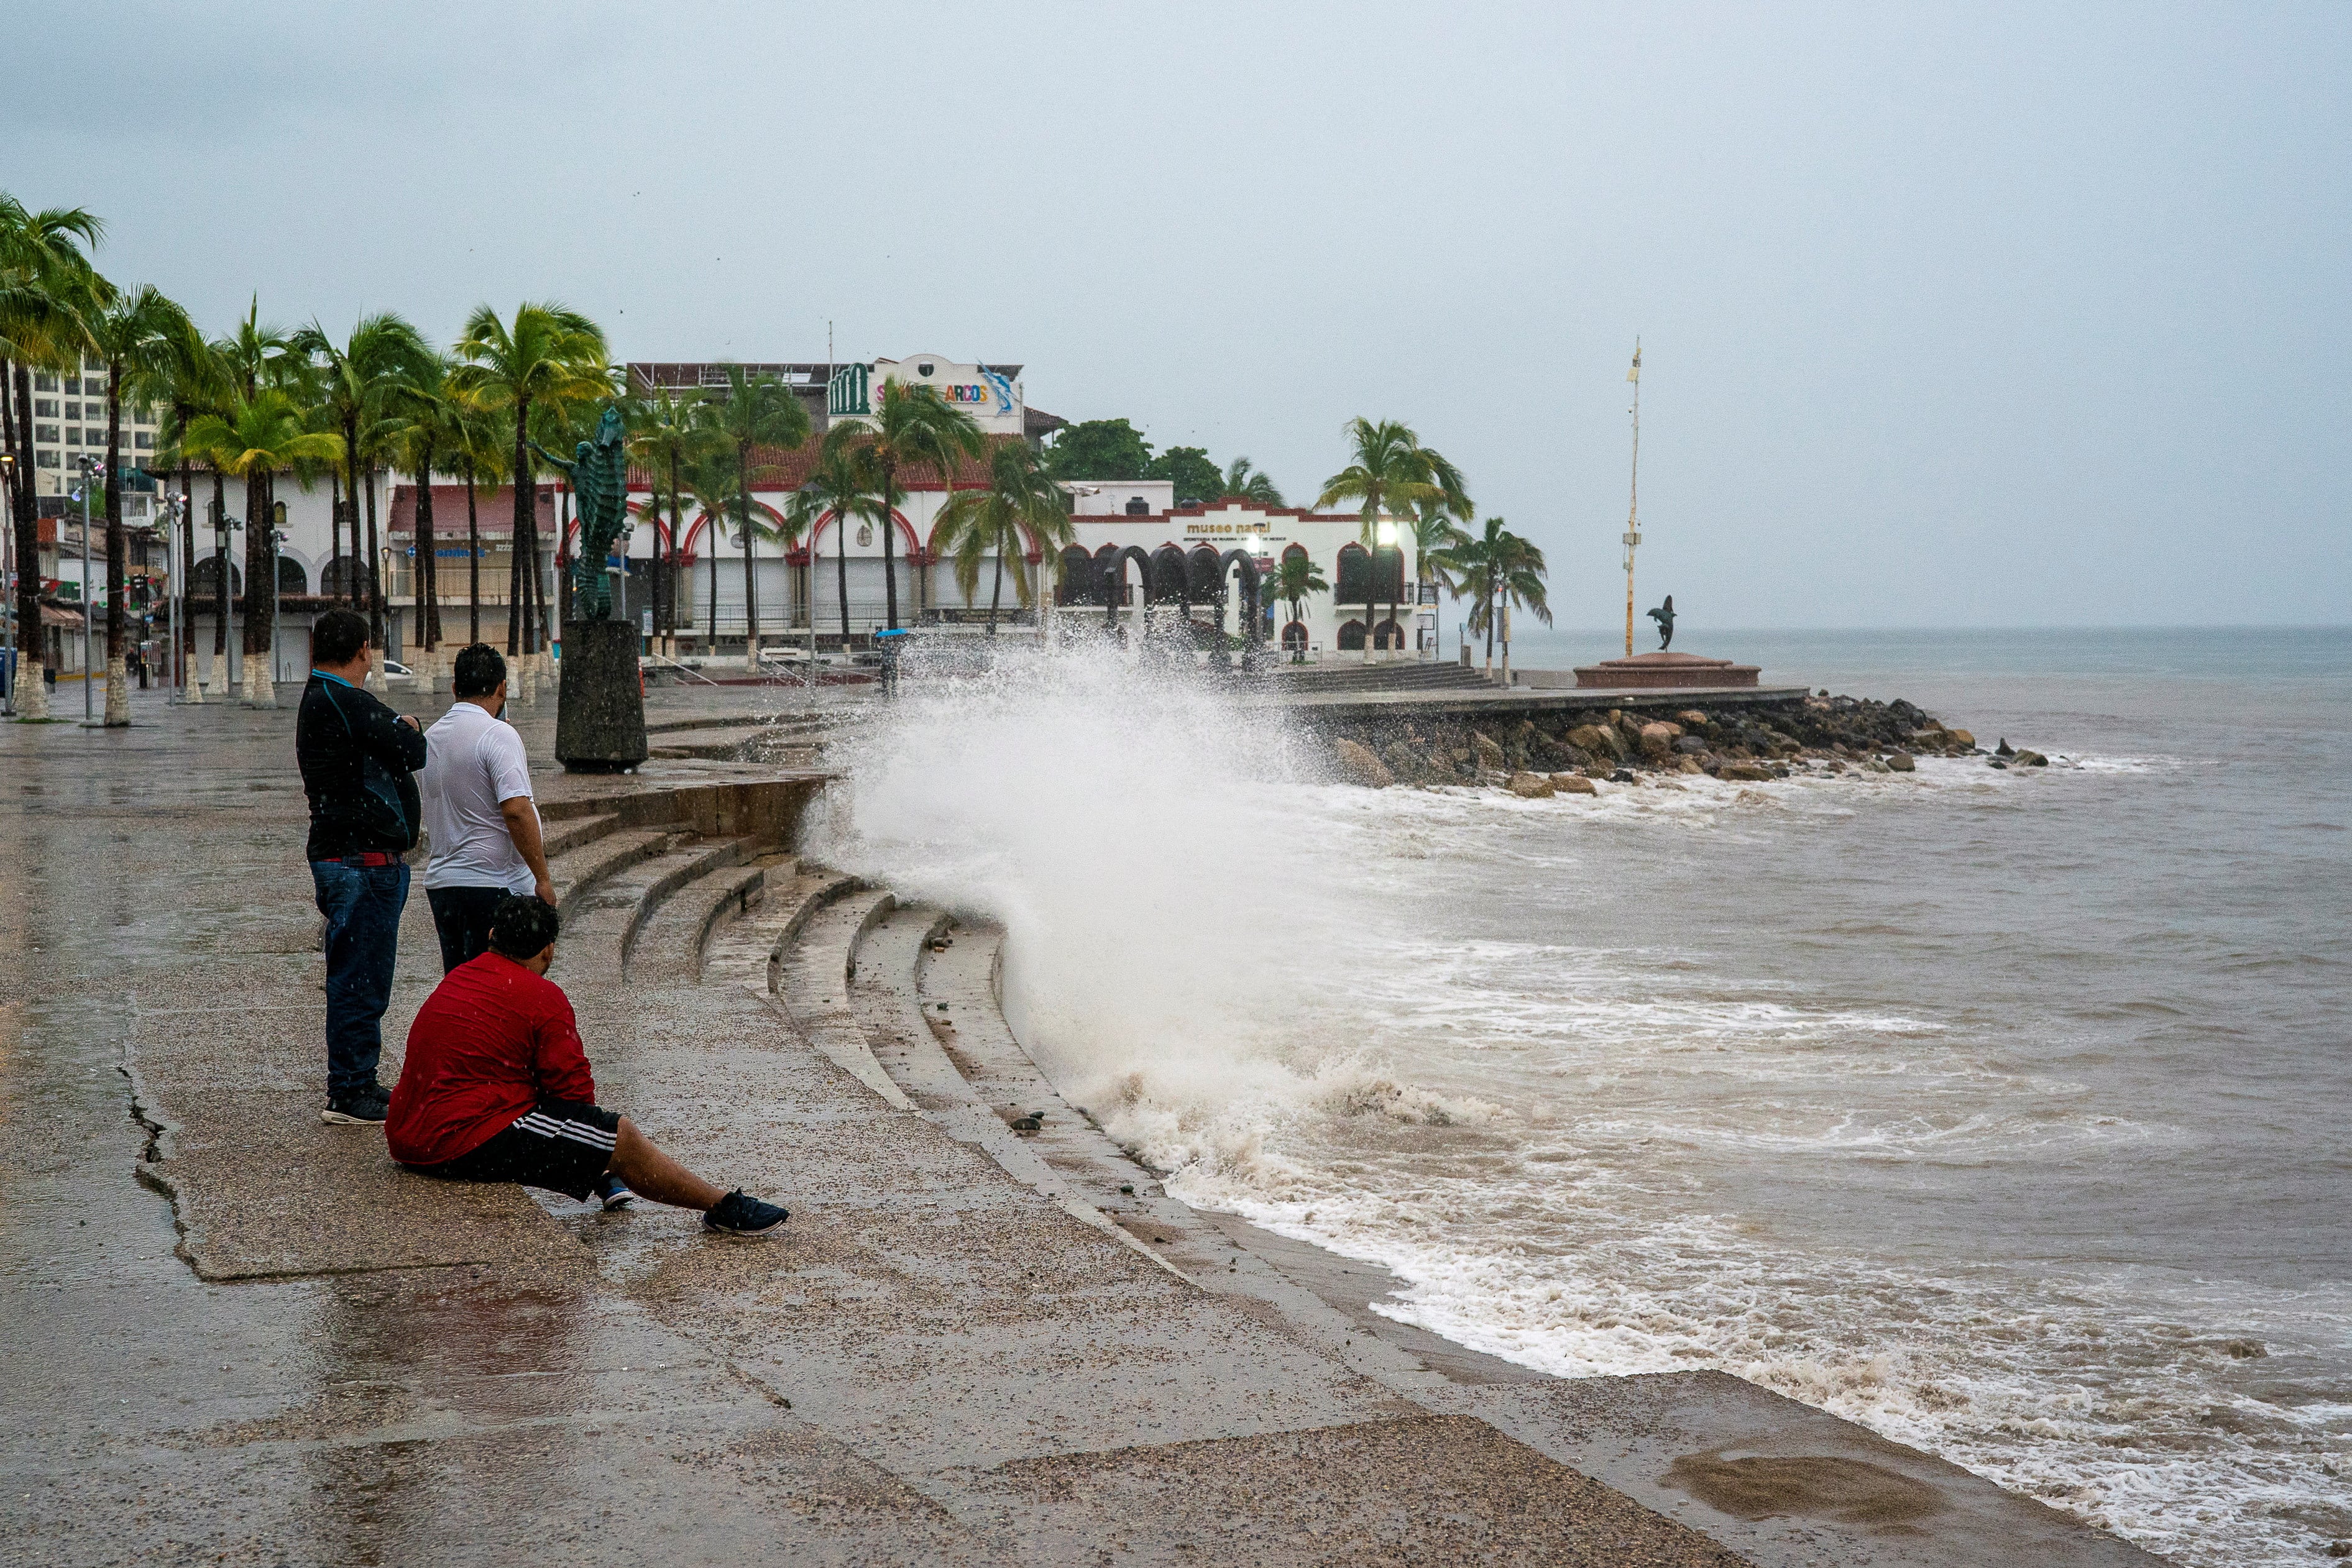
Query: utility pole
(8, 639)
(1634, 505)
(89, 467)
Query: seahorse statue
(599, 472)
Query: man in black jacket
(356, 757)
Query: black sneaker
(613, 1193)
(366, 1108)
(741, 1214)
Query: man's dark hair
(478, 671)
(337, 636)
(521, 926)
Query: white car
(393, 670)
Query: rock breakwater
(1545, 753)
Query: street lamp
(89, 467)
(8, 589)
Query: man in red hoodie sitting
(496, 1088)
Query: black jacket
(357, 759)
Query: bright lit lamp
(1385, 533)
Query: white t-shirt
(472, 762)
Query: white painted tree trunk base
(32, 690)
(118, 692)
(260, 691)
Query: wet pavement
(324, 1359)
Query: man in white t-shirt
(476, 786)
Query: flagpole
(1634, 504)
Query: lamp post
(8, 590)
(89, 467)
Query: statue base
(1666, 672)
(599, 711)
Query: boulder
(1962, 738)
(1572, 784)
(1658, 739)
(1405, 762)
(1595, 738)
(2029, 759)
(1691, 718)
(2002, 749)
(1688, 765)
(1901, 762)
(1359, 765)
(1744, 772)
(1490, 756)
(1691, 745)
(1530, 787)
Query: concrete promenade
(228, 1333)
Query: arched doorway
(343, 578)
(203, 580)
(1293, 638)
(1352, 637)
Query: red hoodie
(491, 1042)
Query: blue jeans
(362, 905)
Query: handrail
(698, 674)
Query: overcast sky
(1958, 316)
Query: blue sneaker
(613, 1193)
(741, 1214)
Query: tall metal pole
(88, 483)
(1634, 505)
(8, 590)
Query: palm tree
(1391, 475)
(912, 424)
(1434, 521)
(1022, 504)
(709, 476)
(840, 486)
(1503, 569)
(664, 429)
(429, 421)
(189, 379)
(477, 446)
(254, 356)
(135, 334)
(39, 251)
(354, 384)
(548, 353)
(755, 411)
(1247, 484)
(1295, 577)
(253, 438)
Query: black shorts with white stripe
(561, 1147)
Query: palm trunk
(223, 586)
(996, 593)
(260, 592)
(889, 557)
(840, 557)
(427, 590)
(185, 634)
(375, 581)
(750, 584)
(118, 685)
(1489, 605)
(669, 578)
(522, 525)
(334, 527)
(473, 562)
(32, 641)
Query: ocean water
(2004, 1113)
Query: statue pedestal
(1666, 672)
(599, 711)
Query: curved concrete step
(602, 920)
(749, 951)
(672, 940)
(561, 837)
(813, 982)
(885, 995)
(579, 870)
